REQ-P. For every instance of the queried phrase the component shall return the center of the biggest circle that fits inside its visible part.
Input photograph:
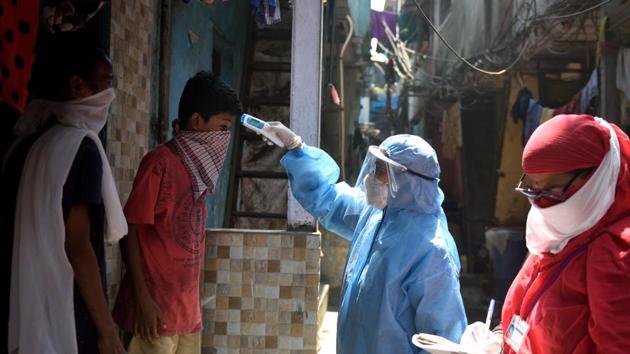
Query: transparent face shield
(380, 169)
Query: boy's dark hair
(54, 67)
(176, 125)
(206, 94)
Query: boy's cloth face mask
(376, 192)
(203, 154)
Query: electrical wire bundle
(519, 37)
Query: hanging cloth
(572, 107)
(272, 15)
(589, 91)
(360, 13)
(521, 104)
(532, 119)
(408, 26)
(379, 21)
(267, 11)
(623, 71)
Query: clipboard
(437, 345)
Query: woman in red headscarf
(572, 295)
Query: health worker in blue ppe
(402, 271)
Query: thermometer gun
(260, 127)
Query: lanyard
(552, 279)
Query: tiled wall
(261, 291)
(335, 250)
(128, 125)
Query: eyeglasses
(553, 196)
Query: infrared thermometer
(260, 127)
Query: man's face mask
(89, 112)
(376, 192)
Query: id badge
(516, 333)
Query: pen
(490, 312)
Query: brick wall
(260, 292)
(131, 30)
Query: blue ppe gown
(402, 271)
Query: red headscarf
(587, 308)
(566, 143)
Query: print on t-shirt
(188, 224)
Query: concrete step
(327, 334)
(322, 306)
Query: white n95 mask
(376, 192)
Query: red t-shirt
(171, 234)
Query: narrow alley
(314, 176)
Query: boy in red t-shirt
(158, 299)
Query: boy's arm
(140, 210)
(148, 315)
(86, 274)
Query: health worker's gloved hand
(477, 338)
(285, 135)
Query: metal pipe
(331, 39)
(342, 123)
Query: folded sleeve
(140, 207)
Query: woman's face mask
(376, 192)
